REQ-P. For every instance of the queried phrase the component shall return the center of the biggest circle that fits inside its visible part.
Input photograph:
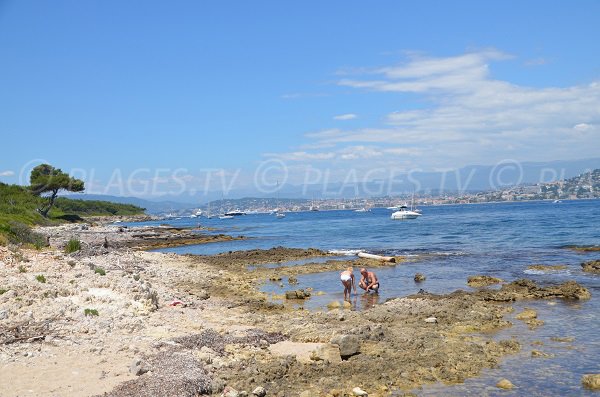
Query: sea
(447, 244)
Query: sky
(151, 97)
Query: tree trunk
(44, 211)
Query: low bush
(100, 271)
(73, 245)
(90, 312)
(40, 278)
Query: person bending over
(347, 277)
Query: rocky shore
(115, 320)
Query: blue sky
(167, 92)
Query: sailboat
(278, 213)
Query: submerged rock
(547, 268)
(297, 294)
(591, 266)
(482, 281)
(505, 384)
(419, 278)
(526, 314)
(591, 381)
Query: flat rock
(482, 281)
(349, 345)
(526, 314)
(591, 266)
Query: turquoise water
(448, 244)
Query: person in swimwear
(348, 281)
(368, 281)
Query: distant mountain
(152, 207)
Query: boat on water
(235, 213)
(557, 201)
(405, 213)
(363, 209)
(225, 216)
(280, 215)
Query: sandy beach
(116, 320)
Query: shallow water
(448, 244)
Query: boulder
(297, 294)
(230, 392)
(292, 280)
(328, 353)
(259, 392)
(527, 314)
(591, 381)
(349, 345)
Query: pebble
(431, 320)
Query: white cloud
(7, 173)
(465, 116)
(347, 116)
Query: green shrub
(2, 290)
(22, 269)
(40, 278)
(100, 271)
(20, 233)
(90, 312)
(73, 245)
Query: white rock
(357, 391)
(431, 320)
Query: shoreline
(225, 332)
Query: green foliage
(40, 278)
(73, 245)
(91, 312)
(95, 207)
(100, 271)
(21, 233)
(2, 290)
(47, 179)
(22, 269)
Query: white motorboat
(235, 213)
(226, 216)
(280, 215)
(363, 209)
(405, 213)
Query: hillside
(18, 211)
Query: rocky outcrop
(482, 281)
(527, 289)
(591, 381)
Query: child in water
(348, 281)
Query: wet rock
(547, 268)
(334, 305)
(357, 391)
(349, 345)
(505, 384)
(419, 278)
(591, 381)
(591, 266)
(297, 294)
(139, 367)
(539, 354)
(564, 339)
(292, 280)
(527, 289)
(526, 314)
(482, 281)
(259, 392)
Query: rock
(297, 294)
(202, 295)
(292, 280)
(139, 367)
(482, 281)
(540, 354)
(3, 314)
(259, 392)
(527, 314)
(572, 290)
(591, 266)
(347, 305)
(349, 345)
(547, 268)
(306, 393)
(505, 384)
(334, 305)
(431, 320)
(565, 339)
(419, 278)
(357, 391)
(591, 381)
(230, 392)
(329, 353)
